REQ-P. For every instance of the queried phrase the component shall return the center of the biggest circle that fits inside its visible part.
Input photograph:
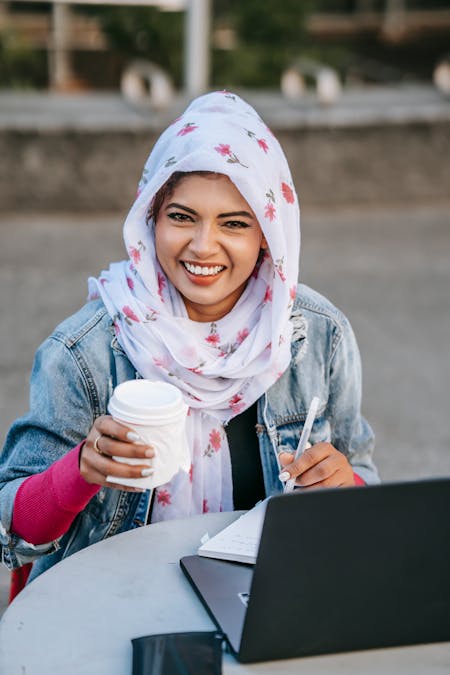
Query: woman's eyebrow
(246, 214)
(232, 214)
(180, 206)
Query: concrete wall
(383, 153)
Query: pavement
(387, 268)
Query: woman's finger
(319, 466)
(325, 473)
(107, 466)
(309, 458)
(111, 438)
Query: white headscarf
(223, 367)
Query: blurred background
(251, 43)
(358, 93)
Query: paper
(240, 540)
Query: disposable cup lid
(144, 400)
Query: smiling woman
(208, 301)
(208, 241)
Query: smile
(202, 270)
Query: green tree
(269, 36)
(144, 32)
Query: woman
(208, 301)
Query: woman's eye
(179, 217)
(236, 225)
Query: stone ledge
(30, 111)
(86, 153)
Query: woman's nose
(204, 241)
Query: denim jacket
(76, 369)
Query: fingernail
(150, 452)
(146, 472)
(135, 438)
(284, 476)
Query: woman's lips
(205, 270)
(202, 275)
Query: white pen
(306, 432)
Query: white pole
(60, 69)
(394, 22)
(197, 32)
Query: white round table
(78, 617)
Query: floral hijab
(222, 367)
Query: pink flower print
(269, 211)
(191, 472)
(215, 439)
(205, 506)
(267, 295)
(130, 283)
(161, 362)
(261, 141)
(94, 296)
(161, 285)
(152, 315)
(103, 281)
(242, 334)
(135, 252)
(193, 397)
(129, 315)
(263, 144)
(197, 370)
(293, 292)
(213, 339)
(236, 404)
(288, 193)
(163, 497)
(279, 266)
(223, 150)
(187, 129)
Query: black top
(247, 475)
(248, 483)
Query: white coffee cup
(157, 412)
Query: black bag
(191, 653)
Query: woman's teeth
(203, 271)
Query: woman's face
(207, 242)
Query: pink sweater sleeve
(47, 503)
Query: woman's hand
(105, 439)
(320, 465)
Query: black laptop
(337, 570)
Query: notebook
(336, 570)
(240, 540)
